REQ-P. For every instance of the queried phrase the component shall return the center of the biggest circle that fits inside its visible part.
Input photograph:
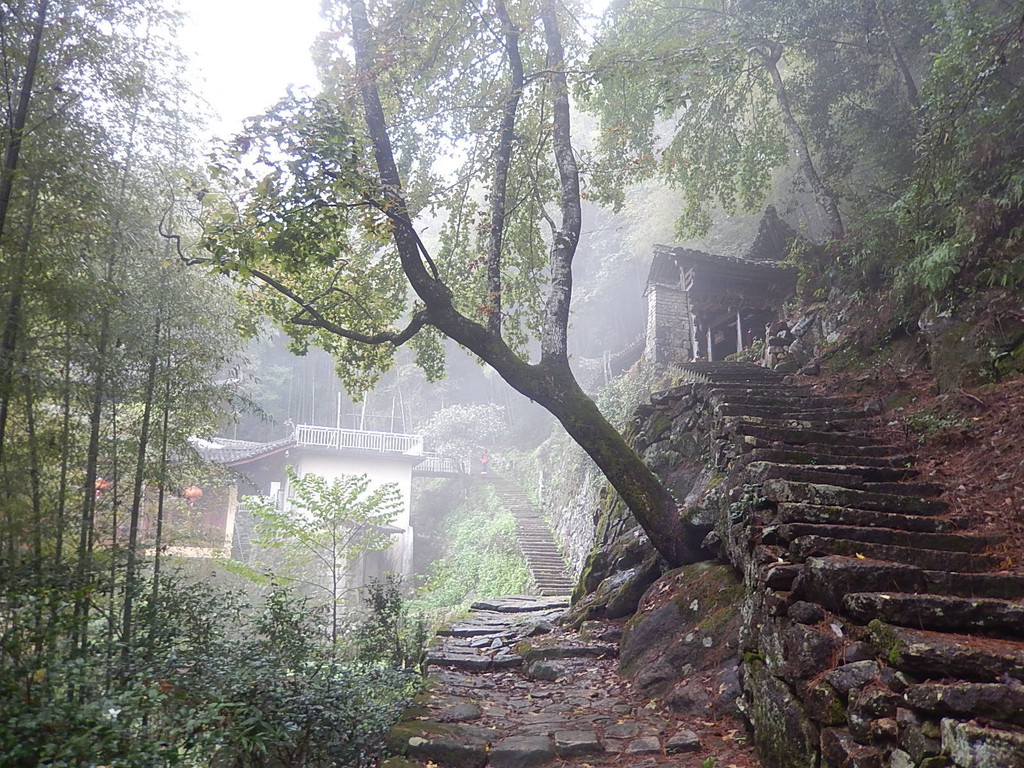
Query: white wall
(381, 470)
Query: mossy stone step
(827, 580)
(790, 411)
(785, 399)
(954, 542)
(799, 456)
(847, 475)
(948, 656)
(930, 559)
(722, 388)
(865, 518)
(794, 436)
(994, 701)
(828, 495)
(867, 450)
(943, 613)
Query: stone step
(992, 701)
(866, 518)
(800, 456)
(790, 411)
(822, 494)
(845, 475)
(867, 450)
(722, 388)
(945, 656)
(784, 423)
(795, 436)
(953, 542)
(826, 580)
(930, 559)
(729, 370)
(942, 613)
(786, 400)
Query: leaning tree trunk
(550, 382)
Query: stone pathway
(510, 689)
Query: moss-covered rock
(685, 633)
(783, 733)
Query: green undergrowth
(481, 555)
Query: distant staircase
(544, 561)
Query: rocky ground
(511, 689)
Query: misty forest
(556, 382)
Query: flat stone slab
(521, 604)
(454, 746)
(683, 741)
(787, 491)
(940, 655)
(953, 542)
(522, 752)
(645, 745)
(804, 547)
(570, 744)
(570, 651)
(621, 730)
(998, 701)
(814, 513)
(939, 612)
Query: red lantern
(193, 494)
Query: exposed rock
(809, 651)
(974, 746)
(783, 732)
(455, 746)
(645, 745)
(687, 626)
(841, 751)
(852, 677)
(999, 701)
(803, 612)
(546, 670)
(683, 741)
(939, 655)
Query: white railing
(443, 465)
(309, 436)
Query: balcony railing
(357, 439)
(441, 465)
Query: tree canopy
(450, 114)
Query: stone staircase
(544, 561)
(879, 633)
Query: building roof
(758, 268)
(664, 269)
(232, 453)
